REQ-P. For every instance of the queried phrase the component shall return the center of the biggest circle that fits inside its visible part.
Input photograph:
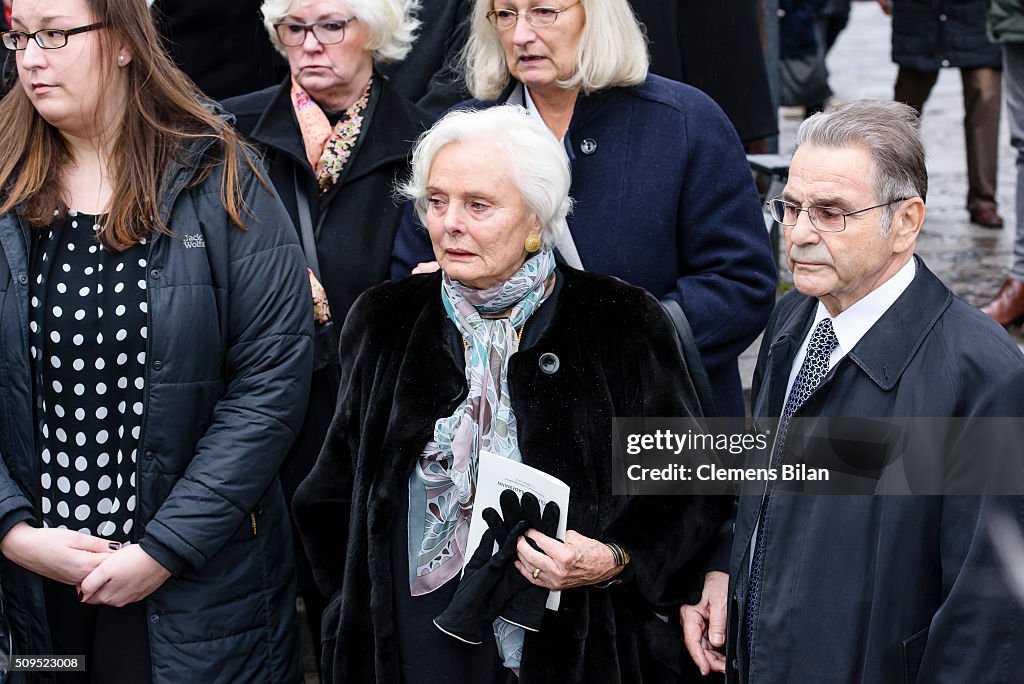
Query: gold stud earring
(532, 243)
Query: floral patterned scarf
(328, 148)
(443, 484)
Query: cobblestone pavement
(971, 261)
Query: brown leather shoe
(1007, 307)
(986, 217)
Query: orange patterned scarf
(328, 148)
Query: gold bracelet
(620, 555)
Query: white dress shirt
(565, 244)
(854, 323)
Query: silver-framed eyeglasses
(327, 32)
(48, 38)
(824, 219)
(537, 17)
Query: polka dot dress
(87, 337)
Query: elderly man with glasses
(869, 588)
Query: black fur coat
(618, 356)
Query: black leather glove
(526, 608)
(486, 586)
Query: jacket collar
(378, 145)
(181, 170)
(887, 348)
(586, 105)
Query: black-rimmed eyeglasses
(48, 39)
(824, 219)
(537, 17)
(327, 32)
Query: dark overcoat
(357, 217)
(230, 355)
(715, 47)
(354, 222)
(886, 589)
(664, 199)
(223, 46)
(618, 356)
(429, 74)
(930, 34)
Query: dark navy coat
(716, 48)
(929, 34)
(879, 589)
(664, 200)
(230, 356)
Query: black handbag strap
(699, 374)
(306, 227)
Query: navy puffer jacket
(229, 359)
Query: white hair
(392, 25)
(612, 51)
(536, 161)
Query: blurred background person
(928, 35)
(8, 71)
(220, 45)
(830, 19)
(156, 359)
(498, 351)
(803, 74)
(664, 197)
(334, 136)
(717, 51)
(429, 75)
(1006, 27)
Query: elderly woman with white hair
(664, 195)
(503, 351)
(334, 137)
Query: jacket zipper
(172, 196)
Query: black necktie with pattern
(814, 369)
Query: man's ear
(906, 224)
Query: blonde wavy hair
(612, 51)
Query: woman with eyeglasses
(664, 195)
(155, 356)
(334, 136)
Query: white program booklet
(496, 474)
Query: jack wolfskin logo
(193, 241)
